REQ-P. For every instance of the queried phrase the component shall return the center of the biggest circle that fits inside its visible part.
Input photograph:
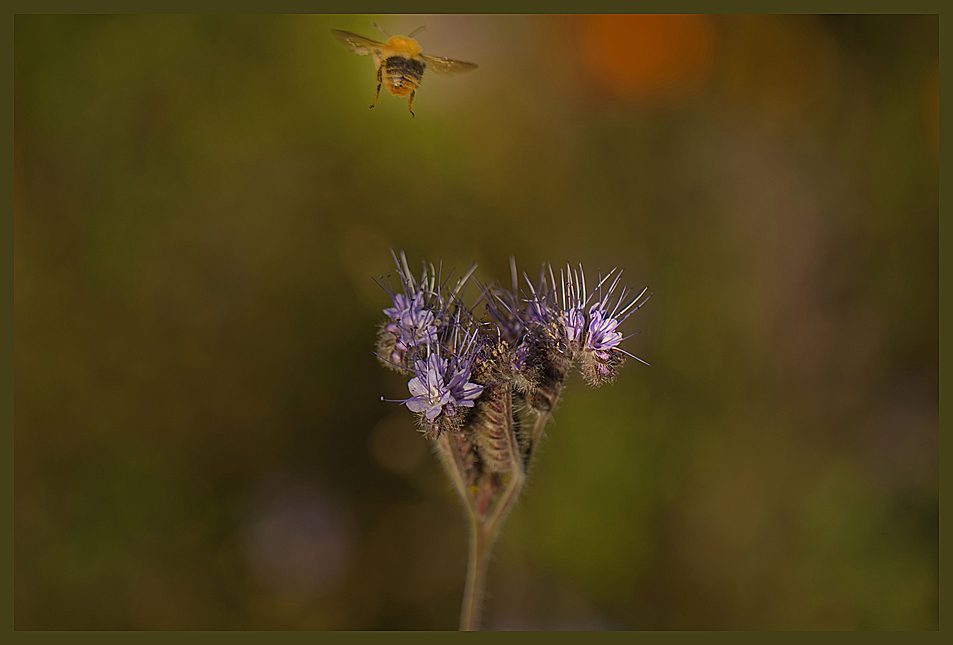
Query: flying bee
(400, 63)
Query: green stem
(476, 578)
(483, 535)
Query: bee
(400, 63)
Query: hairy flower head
(530, 340)
(419, 315)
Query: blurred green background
(201, 204)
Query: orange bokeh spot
(644, 58)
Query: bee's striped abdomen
(402, 74)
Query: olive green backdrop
(201, 204)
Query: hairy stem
(542, 418)
(485, 529)
(494, 522)
(453, 464)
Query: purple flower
(574, 321)
(429, 389)
(462, 392)
(402, 303)
(440, 388)
(581, 324)
(600, 354)
(416, 323)
(412, 324)
(602, 336)
(466, 349)
(413, 316)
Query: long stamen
(623, 312)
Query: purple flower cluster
(566, 322)
(529, 340)
(431, 336)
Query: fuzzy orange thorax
(404, 45)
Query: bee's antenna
(411, 34)
(381, 28)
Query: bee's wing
(357, 44)
(448, 66)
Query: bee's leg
(410, 106)
(378, 92)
